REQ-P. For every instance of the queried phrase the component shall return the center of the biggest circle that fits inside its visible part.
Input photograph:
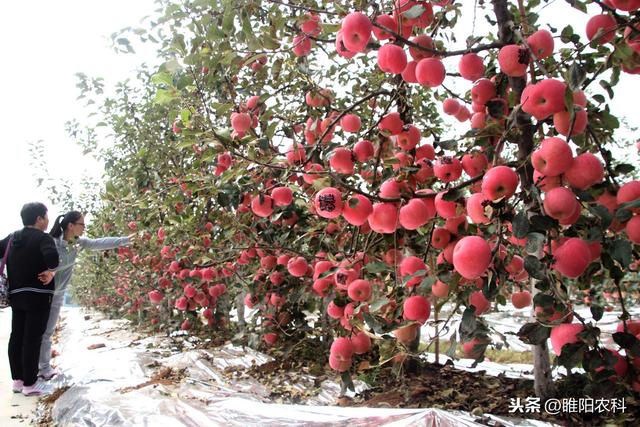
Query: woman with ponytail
(67, 234)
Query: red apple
(585, 171)
(447, 168)
(471, 257)
(356, 31)
(566, 333)
(514, 60)
(602, 28)
(521, 299)
(414, 214)
(384, 218)
(482, 91)
(430, 72)
(297, 266)
(410, 266)
(499, 182)
(560, 203)
(541, 43)
(480, 302)
(471, 66)
(544, 98)
(360, 290)
(553, 157)
(572, 257)
(392, 58)
(328, 203)
(361, 342)
(416, 308)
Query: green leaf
(568, 99)
(566, 34)
(607, 86)
(580, 5)
(378, 304)
(623, 215)
(271, 130)
(228, 18)
(490, 289)
(603, 213)
(414, 12)
(110, 188)
(269, 42)
(627, 341)
(543, 222)
(630, 205)
(222, 109)
(187, 143)
(577, 75)
(449, 144)
(534, 333)
(495, 108)
(373, 323)
(376, 267)
(520, 225)
(263, 144)
(572, 354)
(596, 312)
(468, 323)
(162, 77)
(621, 250)
(624, 168)
(347, 381)
(452, 195)
(535, 243)
(276, 68)
(534, 267)
(543, 300)
(172, 66)
(164, 97)
(451, 351)
(419, 273)
(185, 115)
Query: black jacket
(32, 252)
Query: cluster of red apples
(416, 199)
(410, 201)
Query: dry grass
(165, 375)
(51, 398)
(503, 355)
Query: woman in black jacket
(31, 260)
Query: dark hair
(62, 221)
(31, 211)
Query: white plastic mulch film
(109, 371)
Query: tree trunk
(543, 381)
(240, 311)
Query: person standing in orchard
(31, 259)
(67, 234)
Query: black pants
(28, 324)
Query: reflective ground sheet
(115, 377)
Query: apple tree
(345, 170)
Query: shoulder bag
(4, 283)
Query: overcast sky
(44, 43)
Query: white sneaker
(17, 386)
(48, 373)
(36, 389)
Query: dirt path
(15, 409)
